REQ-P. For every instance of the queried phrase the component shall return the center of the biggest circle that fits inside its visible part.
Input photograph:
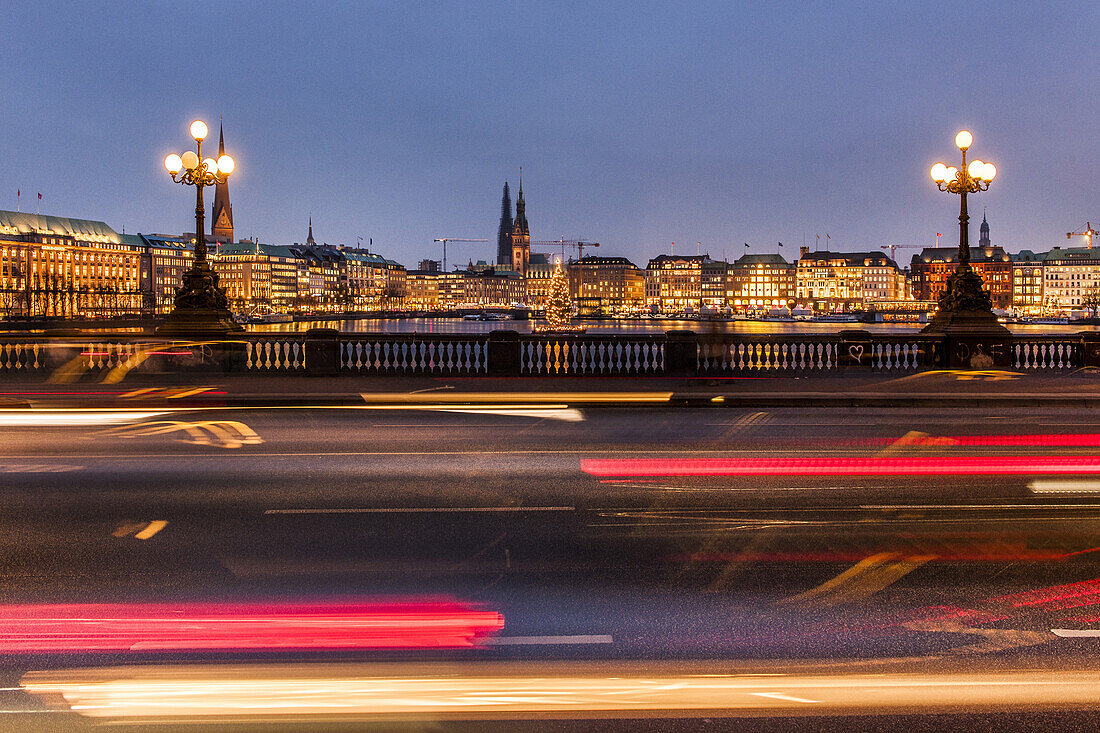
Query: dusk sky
(637, 124)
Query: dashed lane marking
(140, 530)
(862, 580)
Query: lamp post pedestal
(201, 307)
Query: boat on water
(272, 318)
(1042, 321)
(836, 318)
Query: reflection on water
(458, 325)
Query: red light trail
(855, 466)
(158, 627)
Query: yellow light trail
(517, 690)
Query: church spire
(221, 217)
(520, 226)
(984, 241)
(504, 233)
(310, 241)
(521, 234)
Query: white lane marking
(152, 528)
(532, 640)
(67, 418)
(1050, 486)
(1075, 633)
(783, 696)
(566, 414)
(424, 510)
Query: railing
(275, 353)
(804, 353)
(568, 354)
(413, 354)
(511, 354)
(786, 353)
(22, 356)
(1047, 353)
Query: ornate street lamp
(201, 305)
(964, 305)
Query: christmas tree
(559, 308)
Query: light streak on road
(193, 627)
(73, 417)
(853, 466)
(474, 398)
(1064, 487)
(220, 433)
(420, 510)
(505, 691)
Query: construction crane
(895, 247)
(1088, 232)
(454, 239)
(578, 244)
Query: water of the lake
(458, 325)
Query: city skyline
(628, 136)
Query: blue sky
(637, 124)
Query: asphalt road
(603, 535)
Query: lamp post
(200, 305)
(964, 304)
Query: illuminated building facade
(1027, 283)
(760, 281)
(422, 289)
(58, 267)
(845, 281)
(931, 268)
(674, 283)
(605, 285)
(539, 272)
(1071, 279)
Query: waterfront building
(673, 283)
(452, 289)
(244, 272)
(166, 257)
(493, 287)
(601, 285)
(1027, 283)
(760, 281)
(1071, 279)
(934, 265)
(713, 275)
(60, 267)
(846, 281)
(422, 289)
(539, 272)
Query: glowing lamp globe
(211, 165)
(198, 130)
(952, 173)
(963, 140)
(190, 160)
(173, 163)
(226, 165)
(976, 169)
(938, 172)
(989, 171)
